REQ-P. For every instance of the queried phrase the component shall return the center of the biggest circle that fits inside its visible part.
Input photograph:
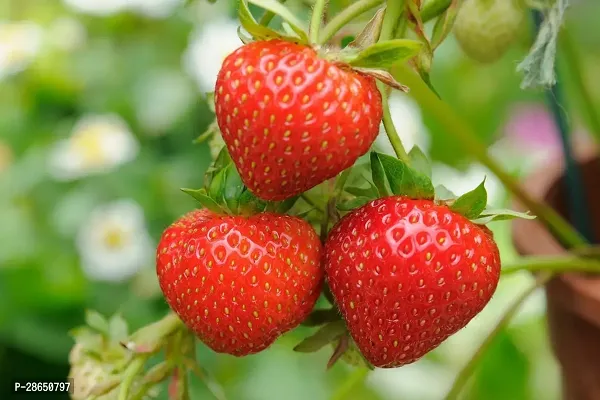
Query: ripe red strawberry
(239, 282)
(406, 274)
(292, 120)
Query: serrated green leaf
(322, 337)
(205, 200)
(322, 316)
(419, 161)
(443, 193)
(378, 175)
(279, 9)
(118, 328)
(370, 34)
(405, 181)
(259, 32)
(352, 204)
(383, 55)
(97, 321)
(472, 203)
(488, 216)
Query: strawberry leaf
(233, 187)
(471, 204)
(419, 161)
(284, 206)
(205, 200)
(404, 180)
(321, 317)
(325, 335)
(370, 192)
(256, 30)
(217, 185)
(443, 193)
(378, 175)
(370, 34)
(97, 322)
(383, 55)
(352, 204)
(488, 216)
(249, 204)
(279, 9)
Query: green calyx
(224, 192)
(391, 176)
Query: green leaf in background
(443, 193)
(378, 175)
(322, 337)
(98, 322)
(405, 181)
(419, 161)
(352, 204)
(259, 32)
(284, 206)
(285, 14)
(471, 204)
(362, 192)
(383, 55)
(321, 316)
(488, 216)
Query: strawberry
(485, 29)
(292, 120)
(406, 274)
(239, 282)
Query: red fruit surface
(406, 274)
(239, 282)
(292, 120)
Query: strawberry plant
(403, 265)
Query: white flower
(407, 119)
(114, 243)
(20, 42)
(161, 97)
(208, 47)
(462, 182)
(95, 7)
(98, 144)
(67, 34)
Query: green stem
(390, 129)
(467, 137)
(433, 8)
(573, 64)
(344, 17)
(315, 20)
(358, 376)
(131, 372)
(393, 11)
(555, 264)
(268, 16)
(465, 374)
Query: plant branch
(555, 264)
(467, 137)
(465, 374)
(390, 129)
(345, 16)
(316, 19)
(131, 372)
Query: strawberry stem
(317, 17)
(268, 16)
(134, 368)
(554, 264)
(344, 17)
(465, 374)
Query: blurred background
(100, 101)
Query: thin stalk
(571, 58)
(345, 16)
(390, 129)
(268, 16)
(316, 19)
(433, 8)
(393, 12)
(555, 264)
(131, 372)
(466, 135)
(358, 376)
(465, 374)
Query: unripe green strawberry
(485, 29)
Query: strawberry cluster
(404, 265)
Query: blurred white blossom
(114, 243)
(20, 42)
(409, 124)
(66, 33)
(98, 144)
(161, 97)
(208, 46)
